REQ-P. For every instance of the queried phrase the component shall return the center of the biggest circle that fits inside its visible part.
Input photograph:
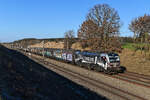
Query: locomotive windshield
(113, 57)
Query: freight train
(100, 61)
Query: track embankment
(23, 79)
(120, 88)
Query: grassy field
(132, 46)
(128, 46)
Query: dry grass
(50, 45)
(76, 46)
(60, 45)
(135, 62)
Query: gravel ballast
(120, 84)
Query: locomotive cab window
(113, 57)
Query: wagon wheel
(101, 69)
(92, 67)
(107, 72)
(89, 66)
(79, 63)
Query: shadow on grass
(23, 79)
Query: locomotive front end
(114, 63)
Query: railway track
(131, 77)
(138, 80)
(147, 77)
(117, 93)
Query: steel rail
(147, 77)
(86, 79)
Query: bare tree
(106, 18)
(87, 32)
(141, 27)
(69, 38)
(102, 23)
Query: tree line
(101, 30)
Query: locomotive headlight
(118, 59)
(110, 65)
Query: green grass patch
(128, 46)
(132, 46)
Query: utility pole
(43, 48)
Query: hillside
(135, 61)
(32, 41)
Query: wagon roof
(89, 54)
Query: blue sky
(51, 18)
